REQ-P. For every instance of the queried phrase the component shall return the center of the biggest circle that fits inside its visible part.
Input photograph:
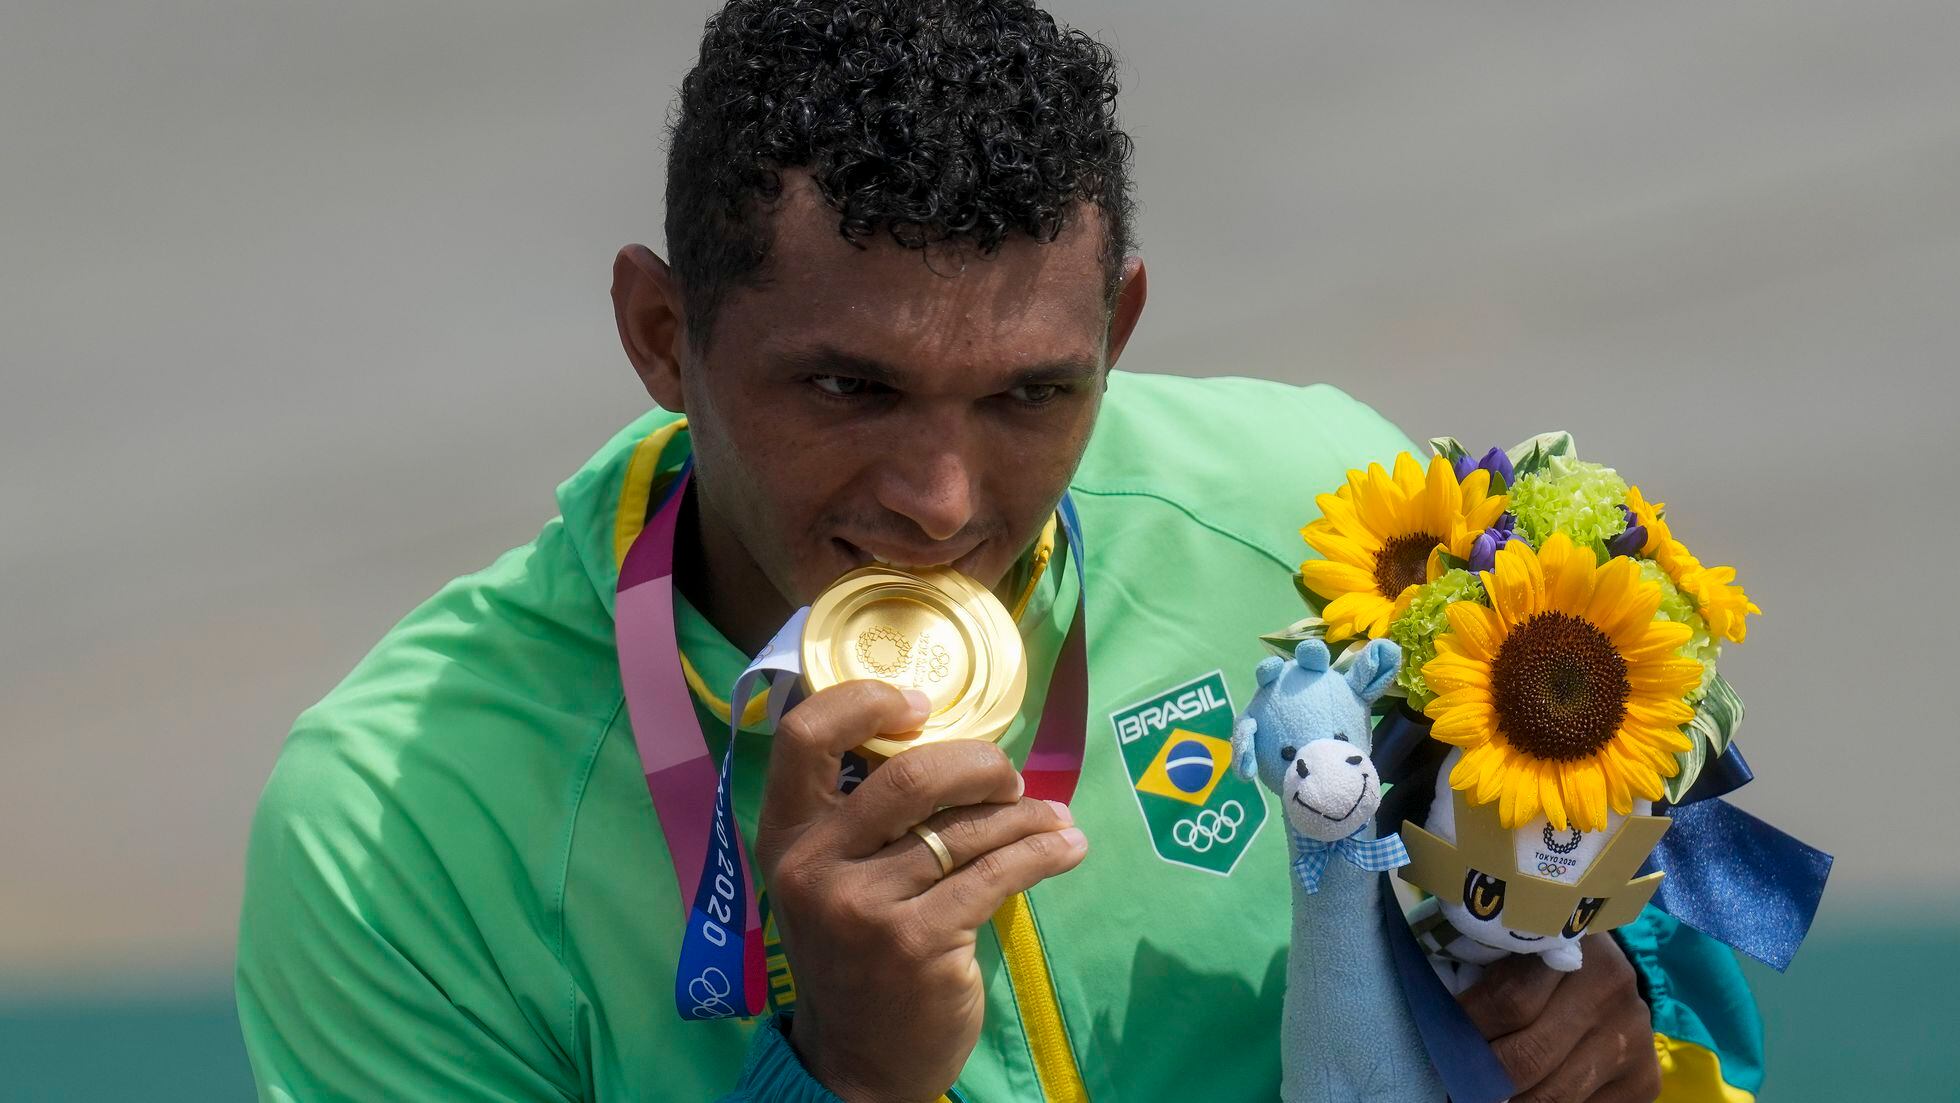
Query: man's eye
(840, 386)
(1035, 394)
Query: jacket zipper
(1034, 998)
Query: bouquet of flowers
(1560, 648)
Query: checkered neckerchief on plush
(1310, 856)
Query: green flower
(1580, 499)
(1415, 631)
(1677, 606)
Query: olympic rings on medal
(1209, 828)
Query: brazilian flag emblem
(1177, 747)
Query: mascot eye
(1286, 754)
(1483, 895)
(1582, 916)
(1342, 736)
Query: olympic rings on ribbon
(710, 992)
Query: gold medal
(933, 630)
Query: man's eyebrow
(1056, 371)
(830, 360)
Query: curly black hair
(934, 120)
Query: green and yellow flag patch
(1177, 747)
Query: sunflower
(1566, 694)
(1380, 537)
(1723, 604)
(1647, 516)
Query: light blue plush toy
(1348, 1034)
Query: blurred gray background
(304, 311)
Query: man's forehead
(1027, 305)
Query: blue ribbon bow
(1310, 856)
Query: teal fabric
(1697, 992)
(771, 1072)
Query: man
(900, 273)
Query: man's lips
(900, 556)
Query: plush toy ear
(1268, 670)
(1243, 729)
(1312, 655)
(1374, 670)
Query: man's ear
(1129, 306)
(652, 324)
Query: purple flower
(1630, 542)
(1494, 461)
(1483, 552)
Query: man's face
(880, 403)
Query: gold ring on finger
(937, 846)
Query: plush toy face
(1540, 851)
(1306, 736)
(1330, 788)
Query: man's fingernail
(1075, 837)
(1020, 785)
(921, 704)
(1062, 811)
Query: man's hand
(1568, 1037)
(888, 994)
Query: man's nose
(933, 488)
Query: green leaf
(1448, 448)
(1286, 639)
(1691, 761)
(1452, 563)
(1716, 721)
(1720, 714)
(1315, 603)
(1533, 455)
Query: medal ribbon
(721, 974)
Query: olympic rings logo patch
(1210, 827)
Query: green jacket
(457, 889)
